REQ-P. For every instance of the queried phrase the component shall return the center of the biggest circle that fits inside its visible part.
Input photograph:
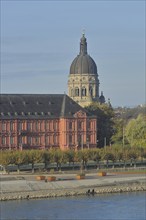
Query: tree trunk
(18, 168)
(32, 167)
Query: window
(28, 126)
(47, 140)
(11, 140)
(19, 140)
(55, 139)
(70, 139)
(76, 91)
(29, 140)
(55, 125)
(3, 126)
(83, 91)
(19, 126)
(11, 126)
(3, 140)
(36, 126)
(80, 124)
(70, 125)
(36, 140)
(91, 91)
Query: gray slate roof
(37, 106)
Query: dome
(83, 63)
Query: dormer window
(36, 113)
(51, 103)
(9, 113)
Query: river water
(124, 206)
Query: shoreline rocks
(38, 194)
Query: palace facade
(42, 121)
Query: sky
(40, 39)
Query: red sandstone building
(43, 122)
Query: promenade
(20, 186)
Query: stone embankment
(126, 187)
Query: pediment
(80, 114)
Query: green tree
(105, 122)
(136, 131)
(95, 155)
(59, 157)
(46, 158)
(34, 156)
(71, 156)
(6, 159)
(83, 157)
(19, 158)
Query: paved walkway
(22, 183)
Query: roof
(25, 106)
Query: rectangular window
(36, 140)
(36, 126)
(70, 125)
(19, 140)
(29, 140)
(70, 139)
(80, 125)
(41, 126)
(3, 126)
(55, 125)
(3, 140)
(55, 139)
(46, 140)
(11, 126)
(28, 126)
(11, 140)
(19, 126)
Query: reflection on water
(125, 206)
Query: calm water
(125, 206)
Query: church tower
(83, 82)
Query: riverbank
(14, 187)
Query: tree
(133, 155)
(105, 122)
(6, 159)
(136, 131)
(34, 156)
(71, 156)
(83, 157)
(58, 156)
(46, 158)
(108, 155)
(19, 158)
(95, 155)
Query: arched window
(76, 91)
(83, 91)
(91, 90)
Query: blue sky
(40, 39)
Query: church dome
(83, 63)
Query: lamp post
(87, 142)
(105, 142)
